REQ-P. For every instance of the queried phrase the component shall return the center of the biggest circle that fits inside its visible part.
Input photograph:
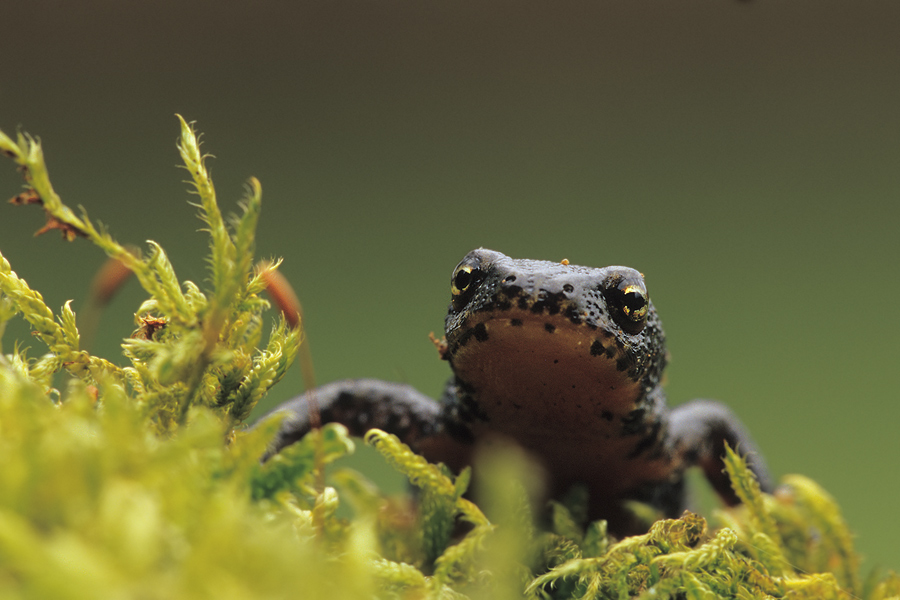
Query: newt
(567, 362)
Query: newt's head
(581, 339)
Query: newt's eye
(629, 301)
(464, 281)
(634, 302)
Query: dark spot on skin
(517, 406)
(464, 338)
(573, 315)
(610, 352)
(458, 431)
(547, 302)
(647, 442)
(606, 415)
(469, 409)
(465, 386)
(550, 328)
(555, 361)
(633, 422)
(480, 332)
(621, 364)
(597, 348)
(515, 322)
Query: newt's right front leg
(364, 404)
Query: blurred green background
(744, 156)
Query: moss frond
(441, 502)
(747, 489)
(836, 552)
(195, 333)
(60, 336)
(293, 468)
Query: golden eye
(462, 279)
(464, 282)
(635, 302)
(628, 300)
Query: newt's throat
(525, 370)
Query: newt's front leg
(699, 430)
(361, 405)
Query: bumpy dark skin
(566, 361)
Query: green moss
(140, 482)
